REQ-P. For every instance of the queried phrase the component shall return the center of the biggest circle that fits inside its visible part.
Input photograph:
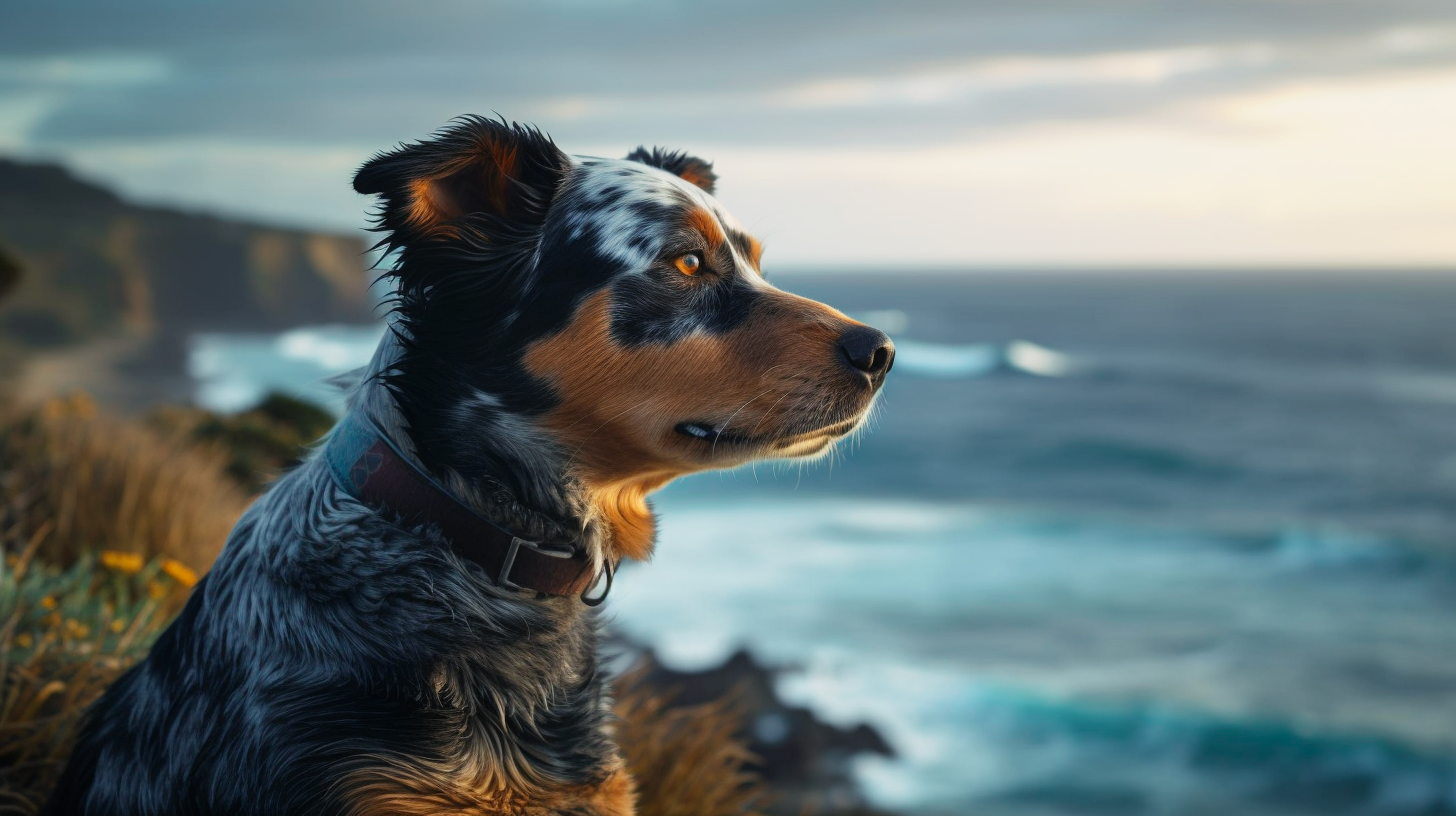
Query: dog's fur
(552, 364)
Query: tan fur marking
(704, 222)
(615, 796)
(755, 252)
(771, 377)
(692, 176)
(429, 208)
(498, 178)
(395, 791)
(480, 182)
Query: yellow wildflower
(77, 629)
(24, 640)
(82, 405)
(180, 572)
(118, 626)
(156, 591)
(48, 602)
(122, 561)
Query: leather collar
(368, 466)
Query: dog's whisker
(769, 412)
(729, 420)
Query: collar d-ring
(609, 570)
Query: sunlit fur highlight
(708, 226)
(481, 182)
(397, 788)
(755, 251)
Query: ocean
(1143, 544)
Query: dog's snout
(868, 349)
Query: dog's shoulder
(316, 650)
(143, 739)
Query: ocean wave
(966, 360)
(950, 361)
(981, 359)
(1017, 751)
(889, 321)
(1303, 548)
(1418, 386)
(1023, 662)
(1040, 360)
(1111, 455)
(1211, 757)
(233, 371)
(331, 348)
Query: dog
(406, 623)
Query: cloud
(91, 71)
(927, 131)
(755, 72)
(1338, 174)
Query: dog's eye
(689, 264)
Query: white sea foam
(332, 349)
(951, 361)
(889, 321)
(1039, 360)
(234, 371)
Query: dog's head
(602, 318)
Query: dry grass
(97, 482)
(65, 634)
(689, 760)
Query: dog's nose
(868, 349)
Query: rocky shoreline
(805, 761)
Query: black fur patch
(464, 299)
(508, 271)
(679, 163)
(644, 310)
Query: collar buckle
(504, 579)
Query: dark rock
(10, 273)
(805, 761)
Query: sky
(847, 134)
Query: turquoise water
(1115, 546)
(1008, 653)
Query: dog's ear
(690, 168)
(473, 166)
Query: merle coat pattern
(568, 334)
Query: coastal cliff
(104, 283)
